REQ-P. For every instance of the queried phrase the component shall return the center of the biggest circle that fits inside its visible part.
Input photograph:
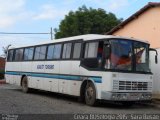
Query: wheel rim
(89, 93)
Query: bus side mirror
(156, 56)
(107, 51)
(156, 59)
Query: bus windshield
(121, 55)
(129, 55)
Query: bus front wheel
(90, 94)
(25, 88)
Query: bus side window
(67, 51)
(18, 55)
(28, 53)
(10, 55)
(91, 50)
(54, 51)
(40, 53)
(50, 52)
(90, 55)
(77, 50)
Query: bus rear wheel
(90, 94)
(25, 88)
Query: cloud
(48, 12)
(7, 6)
(9, 12)
(6, 22)
(117, 4)
(110, 5)
(19, 40)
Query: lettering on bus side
(45, 66)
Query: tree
(5, 50)
(86, 21)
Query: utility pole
(51, 33)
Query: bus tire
(25, 87)
(90, 94)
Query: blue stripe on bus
(65, 77)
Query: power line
(24, 36)
(27, 33)
(22, 33)
(37, 37)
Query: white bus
(92, 67)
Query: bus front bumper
(123, 96)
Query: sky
(38, 16)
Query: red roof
(135, 15)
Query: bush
(1, 74)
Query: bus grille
(134, 85)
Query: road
(14, 101)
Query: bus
(92, 67)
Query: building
(144, 24)
(2, 64)
(2, 68)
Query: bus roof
(86, 37)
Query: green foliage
(2, 74)
(86, 21)
(5, 49)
